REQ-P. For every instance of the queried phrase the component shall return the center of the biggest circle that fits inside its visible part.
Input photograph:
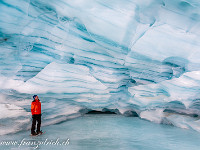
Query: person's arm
(32, 108)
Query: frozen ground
(110, 132)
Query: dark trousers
(36, 118)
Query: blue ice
(130, 57)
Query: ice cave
(110, 74)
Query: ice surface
(108, 132)
(132, 56)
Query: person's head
(35, 97)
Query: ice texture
(129, 57)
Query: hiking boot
(34, 133)
(40, 132)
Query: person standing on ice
(36, 115)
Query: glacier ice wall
(133, 56)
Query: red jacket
(36, 107)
